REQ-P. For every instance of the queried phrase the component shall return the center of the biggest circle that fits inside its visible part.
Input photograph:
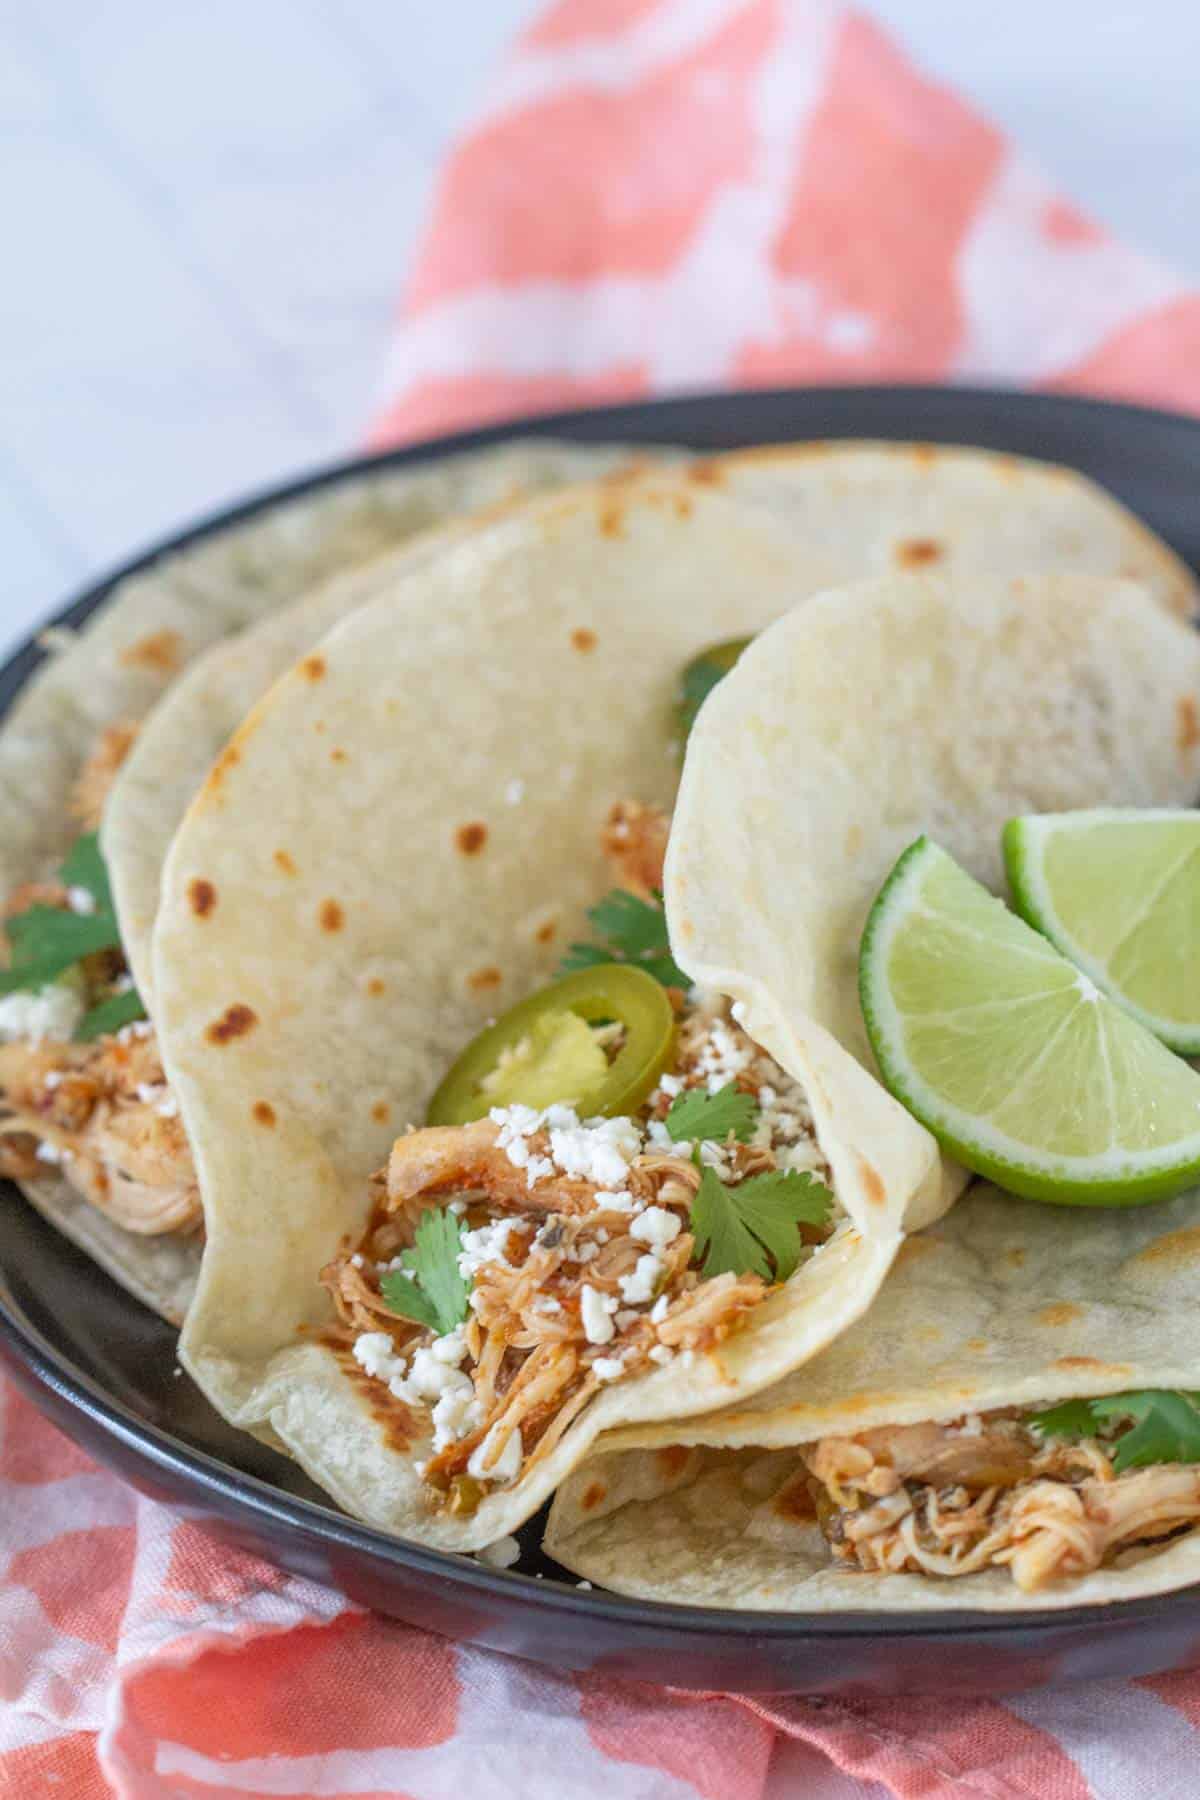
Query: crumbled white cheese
(81, 900)
(661, 1353)
(639, 1285)
(48, 1153)
(54, 1079)
(168, 1107)
(670, 1085)
(547, 1304)
(657, 1226)
(724, 1056)
(454, 1415)
(596, 1310)
(505, 1465)
(620, 1201)
(658, 1311)
(599, 1151)
(373, 1352)
(501, 1555)
(123, 984)
(457, 1207)
(487, 1244)
(582, 1253)
(584, 1586)
(608, 1368)
(52, 1013)
(627, 1316)
(357, 1259)
(150, 1091)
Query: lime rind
(1025, 842)
(1112, 1052)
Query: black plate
(103, 1368)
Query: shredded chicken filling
(576, 1281)
(989, 1492)
(100, 1113)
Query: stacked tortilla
(344, 766)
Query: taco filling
(626, 1176)
(82, 1088)
(1046, 1495)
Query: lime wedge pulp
(1010, 1055)
(1119, 893)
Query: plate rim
(49, 1371)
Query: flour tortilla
(879, 508)
(521, 684)
(1004, 1303)
(136, 647)
(905, 705)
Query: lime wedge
(1012, 1057)
(1119, 893)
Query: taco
(1013, 1425)
(1013, 1422)
(399, 845)
(598, 1225)
(90, 1131)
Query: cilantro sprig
(1164, 1425)
(698, 1114)
(753, 1228)
(46, 941)
(433, 1292)
(630, 930)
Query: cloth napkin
(659, 194)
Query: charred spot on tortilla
(683, 506)
(234, 1022)
(1188, 733)
(1016, 1256)
(283, 861)
(330, 916)
(376, 986)
(673, 1459)
(1090, 1362)
(1060, 1312)
(917, 553)
(313, 668)
(706, 474)
(202, 896)
(381, 1112)
(483, 980)
(228, 759)
(263, 1113)
(592, 1495)
(159, 651)
(338, 756)
(1176, 1246)
(872, 1181)
(583, 639)
(612, 520)
(471, 838)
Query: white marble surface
(206, 211)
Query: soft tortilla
(898, 706)
(1004, 1303)
(134, 649)
(880, 508)
(401, 839)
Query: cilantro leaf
(109, 1015)
(698, 1114)
(701, 676)
(46, 940)
(1165, 1425)
(747, 1228)
(435, 1294)
(1070, 1419)
(631, 930)
(85, 868)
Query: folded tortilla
(398, 843)
(899, 707)
(1004, 1303)
(906, 705)
(134, 651)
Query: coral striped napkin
(660, 194)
